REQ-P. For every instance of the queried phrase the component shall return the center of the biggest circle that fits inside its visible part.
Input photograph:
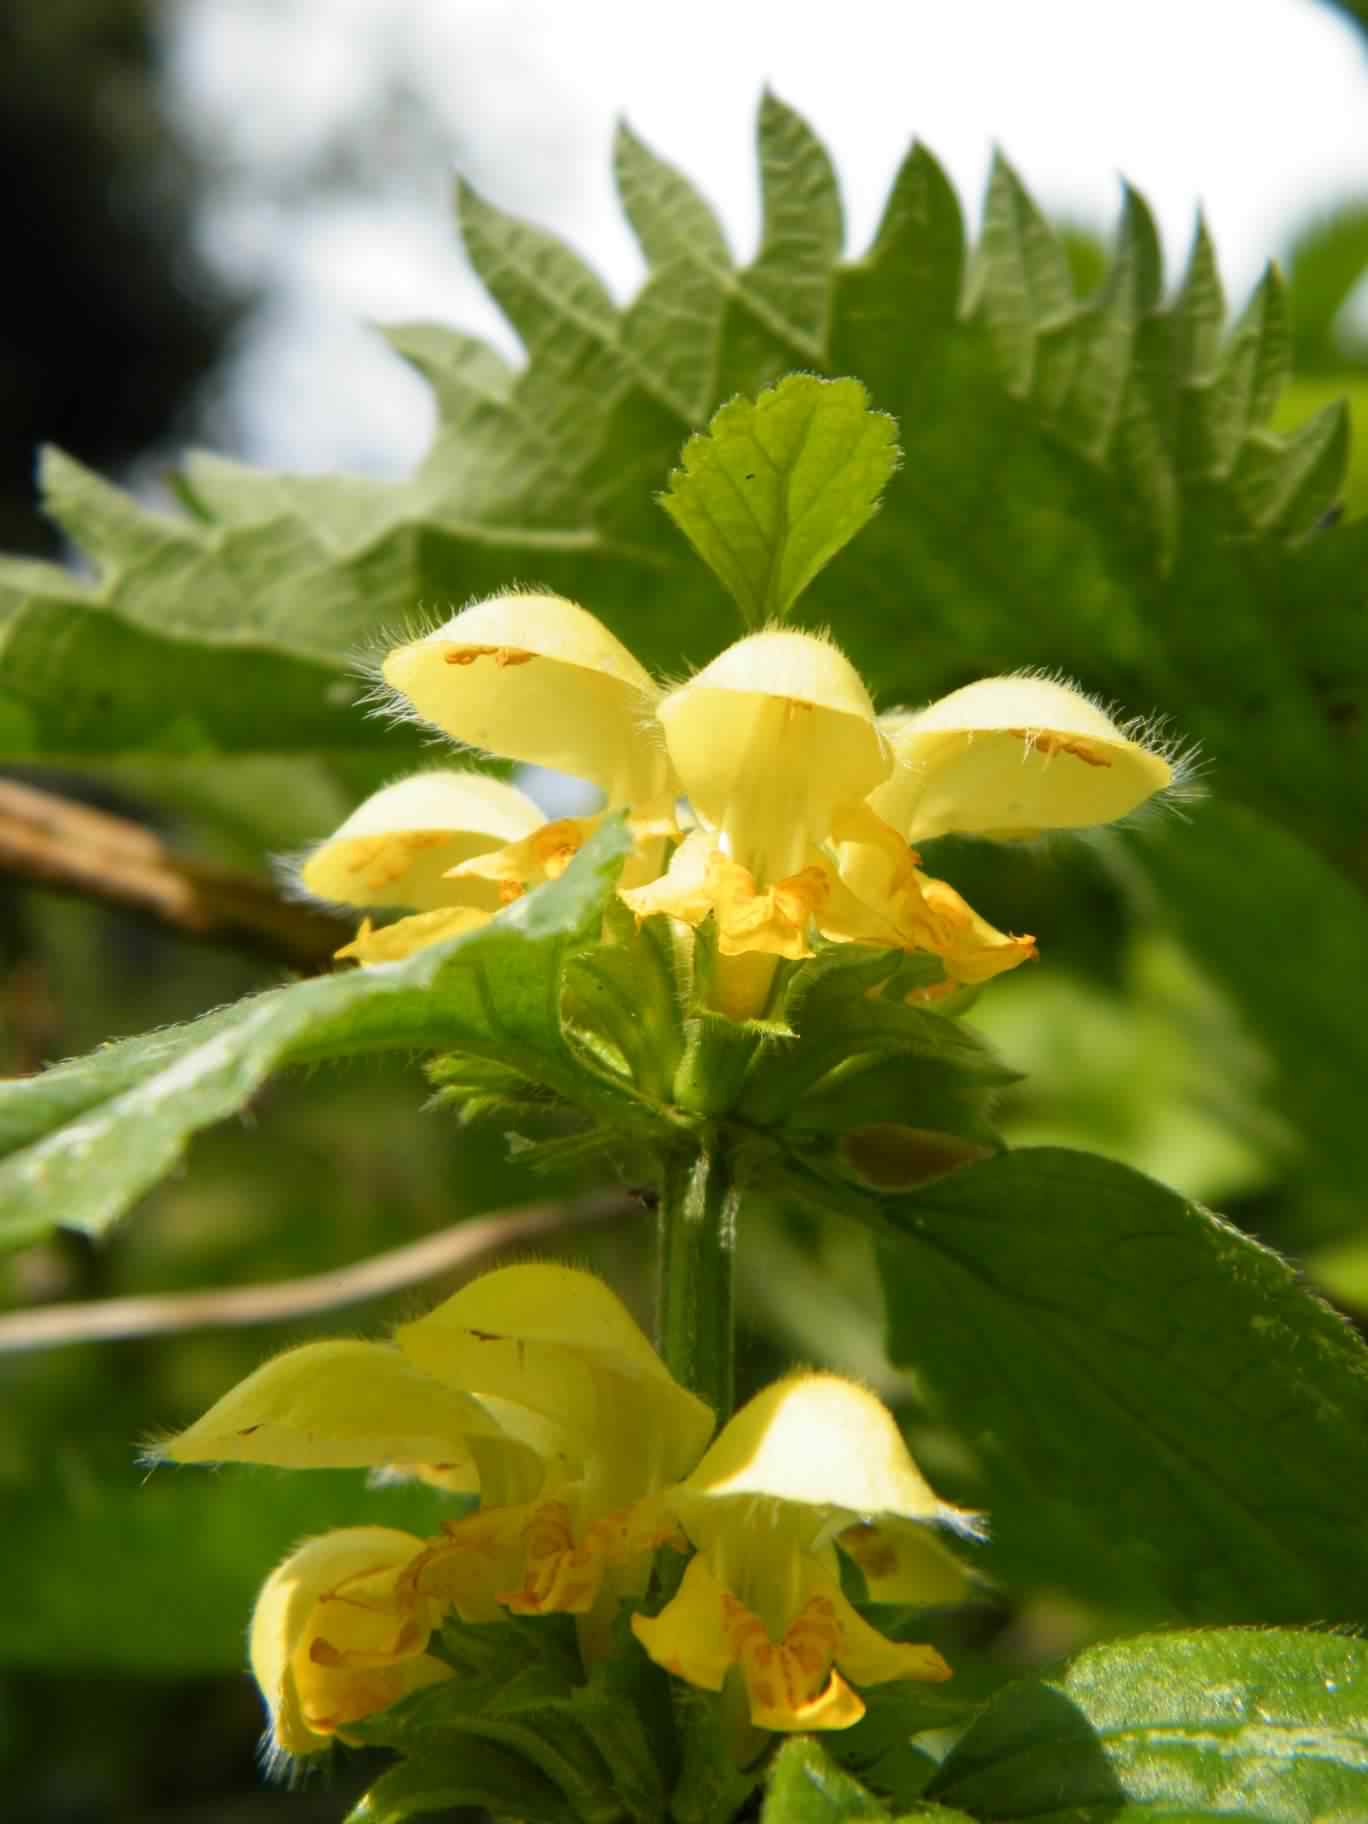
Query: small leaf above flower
(770, 492)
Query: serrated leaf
(805, 1786)
(546, 473)
(1090, 414)
(87, 1138)
(905, 292)
(1288, 483)
(801, 231)
(1251, 374)
(1003, 543)
(1268, 1726)
(482, 1774)
(1074, 1323)
(1019, 280)
(674, 326)
(606, 1709)
(776, 486)
(1199, 311)
(710, 1786)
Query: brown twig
(464, 1246)
(56, 842)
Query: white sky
(1257, 109)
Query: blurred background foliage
(127, 1597)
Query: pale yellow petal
(883, 898)
(790, 1682)
(537, 678)
(971, 949)
(870, 1658)
(399, 846)
(906, 1563)
(690, 1637)
(768, 740)
(683, 890)
(817, 1441)
(392, 943)
(566, 1559)
(1011, 757)
(559, 1341)
(471, 1561)
(332, 1598)
(520, 866)
(335, 1405)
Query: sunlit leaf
(1268, 1726)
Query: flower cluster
(534, 1390)
(770, 805)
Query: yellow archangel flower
(809, 804)
(536, 678)
(399, 849)
(525, 677)
(333, 1639)
(532, 1387)
(812, 1463)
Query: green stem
(694, 1313)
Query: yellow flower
(781, 754)
(399, 848)
(809, 803)
(537, 678)
(1010, 758)
(813, 1462)
(533, 1386)
(334, 1637)
(558, 1343)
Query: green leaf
(1020, 530)
(513, 1690)
(84, 1140)
(1297, 999)
(776, 486)
(710, 1785)
(848, 1018)
(611, 1710)
(805, 1786)
(482, 1774)
(1089, 484)
(1019, 281)
(1263, 1726)
(1163, 1420)
(675, 326)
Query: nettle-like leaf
(1162, 1419)
(1268, 1725)
(84, 1140)
(1087, 483)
